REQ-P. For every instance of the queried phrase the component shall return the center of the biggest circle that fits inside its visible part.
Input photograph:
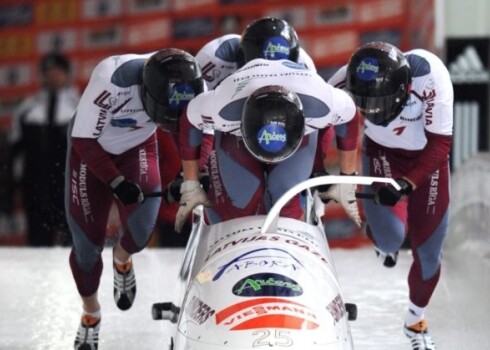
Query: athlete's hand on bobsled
(389, 195)
(192, 195)
(173, 188)
(345, 194)
(126, 191)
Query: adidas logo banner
(470, 65)
(468, 62)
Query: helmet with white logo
(171, 78)
(379, 78)
(272, 123)
(269, 38)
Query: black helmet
(171, 78)
(378, 77)
(272, 123)
(269, 38)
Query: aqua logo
(179, 95)
(276, 48)
(368, 68)
(267, 284)
(272, 138)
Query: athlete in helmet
(113, 154)
(268, 37)
(407, 101)
(266, 130)
(272, 38)
(273, 123)
(379, 78)
(171, 78)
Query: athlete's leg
(236, 180)
(88, 202)
(427, 221)
(288, 173)
(140, 165)
(386, 226)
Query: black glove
(321, 188)
(126, 191)
(389, 195)
(173, 189)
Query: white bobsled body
(261, 282)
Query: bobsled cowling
(261, 281)
(251, 282)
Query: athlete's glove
(192, 195)
(173, 189)
(126, 191)
(345, 194)
(389, 195)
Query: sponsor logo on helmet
(179, 95)
(267, 284)
(368, 68)
(276, 48)
(272, 138)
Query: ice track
(40, 307)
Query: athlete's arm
(96, 158)
(433, 156)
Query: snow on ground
(40, 307)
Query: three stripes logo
(468, 68)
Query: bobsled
(262, 281)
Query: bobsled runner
(262, 282)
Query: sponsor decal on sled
(262, 258)
(267, 313)
(267, 284)
(336, 308)
(270, 238)
(199, 311)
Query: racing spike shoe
(124, 285)
(388, 259)
(419, 336)
(88, 333)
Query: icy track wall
(469, 225)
